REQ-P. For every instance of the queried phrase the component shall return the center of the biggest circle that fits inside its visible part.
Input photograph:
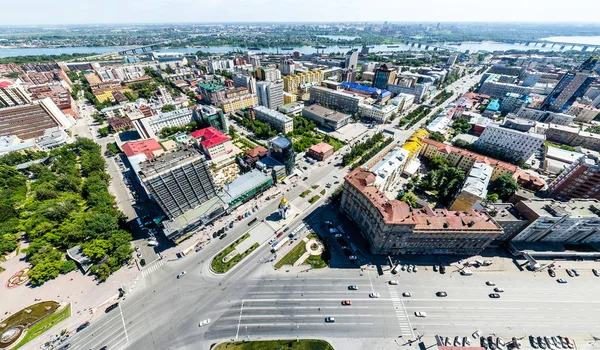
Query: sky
(197, 11)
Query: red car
(280, 234)
(346, 302)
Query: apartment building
(302, 81)
(573, 136)
(581, 179)
(281, 122)
(389, 169)
(233, 104)
(474, 188)
(463, 159)
(582, 112)
(512, 143)
(551, 221)
(392, 227)
(149, 127)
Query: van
(152, 243)
(466, 272)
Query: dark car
(286, 229)
(305, 178)
(83, 326)
(223, 236)
(441, 294)
(494, 295)
(104, 347)
(112, 307)
(442, 269)
(551, 273)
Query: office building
(580, 180)
(211, 92)
(233, 104)
(474, 188)
(51, 138)
(494, 88)
(320, 151)
(513, 144)
(150, 148)
(418, 90)
(12, 95)
(392, 227)
(149, 127)
(211, 141)
(178, 181)
(583, 113)
(281, 149)
(545, 116)
(270, 93)
(505, 215)
(573, 136)
(351, 59)
(293, 108)
(325, 117)
(287, 66)
(32, 120)
(377, 113)
(389, 169)
(343, 101)
(210, 116)
(268, 74)
(245, 188)
(384, 75)
(551, 221)
(280, 122)
(451, 59)
(463, 159)
(379, 95)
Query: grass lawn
(314, 187)
(316, 261)
(294, 254)
(305, 193)
(323, 191)
(292, 344)
(314, 199)
(217, 263)
(1, 269)
(44, 325)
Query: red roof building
(151, 148)
(321, 151)
(212, 141)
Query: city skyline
(215, 11)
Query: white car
(393, 282)
(204, 323)
(338, 235)
(477, 334)
(420, 314)
(352, 257)
(374, 295)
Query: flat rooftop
(272, 113)
(326, 113)
(575, 208)
(193, 215)
(169, 160)
(243, 184)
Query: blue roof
(367, 89)
(281, 142)
(494, 105)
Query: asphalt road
(254, 301)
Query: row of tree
(359, 149)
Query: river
(471, 46)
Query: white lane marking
(312, 299)
(152, 267)
(309, 315)
(239, 320)
(400, 310)
(124, 326)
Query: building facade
(178, 181)
(511, 143)
(326, 117)
(474, 188)
(281, 149)
(280, 122)
(231, 105)
(569, 88)
(351, 59)
(339, 100)
(270, 93)
(389, 169)
(149, 127)
(391, 227)
(384, 75)
(320, 151)
(580, 180)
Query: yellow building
(107, 95)
(303, 80)
(240, 102)
(289, 98)
(415, 141)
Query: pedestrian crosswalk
(401, 314)
(152, 267)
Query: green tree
(461, 125)
(44, 271)
(67, 266)
(504, 186)
(167, 108)
(436, 136)
(103, 132)
(438, 162)
(8, 243)
(232, 132)
(96, 249)
(492, 197)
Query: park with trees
(60, 205)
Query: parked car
(420, 314)
(561, 280)
(551, 273)
(393, 282)
(111, 307)
(494, 295)
(570, 273)
(204, 323)
(490, 283)
(499, 290)
(435, 268)
(374, 295)
(83, 326)
(406, 294)
(533, 342)
(442, 269)
(575, 272)
(596, 273)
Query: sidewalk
(80, 290)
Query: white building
(439, 124)
(512, 143)
(270, 93)
(281, 122)
(388, 170)
(378, 114)
(149, 127)
(402, 101)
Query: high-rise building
(572, 86)
(211, 116)
(245, 81)
(269, 74)
(351, 59)
(280, 122)
(580, 180)
(12, 95)
(287, 66)
(270, 93)
(281, 149)
(302, 81)
(384, 75)
(178, 181)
